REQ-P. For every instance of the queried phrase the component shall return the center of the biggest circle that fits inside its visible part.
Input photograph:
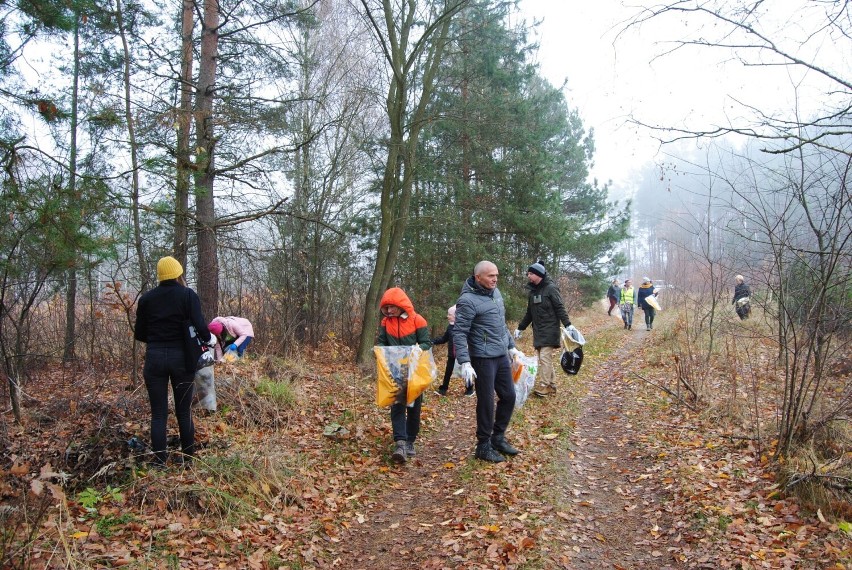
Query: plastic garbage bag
(231, 355)
(572, 360)
(524, 370)
(205, 389)
(403, 373)
(572, 338)
(652, 301)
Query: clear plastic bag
(524, 370)
(403, 373)
(231, 355)
(205, 389)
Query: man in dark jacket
(545, 311)
(482, 341)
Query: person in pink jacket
(234, 333)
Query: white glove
(468, 374)
(517, 333)
(416, 351)
(515, 353)
(212, 342)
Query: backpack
(571, 361)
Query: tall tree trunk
(144, 274)
(208, 264)
(134, 156)
(71, 273)
(405, 128)
(183, 164)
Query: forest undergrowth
(622, 469)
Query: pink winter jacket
(237, 327)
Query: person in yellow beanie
(161, 318)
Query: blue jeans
(406, 421)
(165, 364)
(242, 348)
(627, 314)
(493, 375)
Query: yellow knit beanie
(168, 268)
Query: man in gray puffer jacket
(483, 345)
(545, 311)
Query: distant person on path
(646, 289)
(742, 298)
(447, 338)
(482, 342)
(545, 311)
(161, 317)
(234, 333)
(626, 304)
(613, 294)
(401, 326)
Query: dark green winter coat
(545, 311)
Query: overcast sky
(608, 79)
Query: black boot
(499, 443)
(485, 452)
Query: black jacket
(447, 337)
(740, 291)
(162, 311)
(545, 311)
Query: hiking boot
(485, 452)
(399, 454)
(470, 391)
(499, 443)
(409, 449)
(441, 391)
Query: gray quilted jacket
(480, 330)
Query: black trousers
(164, 365)
(493, 375)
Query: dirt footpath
(620, 517)
(592, 505)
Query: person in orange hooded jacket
(402, 326)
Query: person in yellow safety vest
(626, 303)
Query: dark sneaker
(409, 449)
(399, 454)
(485, 452)
(470, 391)
(500, 444)
(441, 391)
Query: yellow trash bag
(404, 372)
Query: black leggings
(164, 364)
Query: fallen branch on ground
(667, 391)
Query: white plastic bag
(205, 389)
(572, 338)
(524, 370)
